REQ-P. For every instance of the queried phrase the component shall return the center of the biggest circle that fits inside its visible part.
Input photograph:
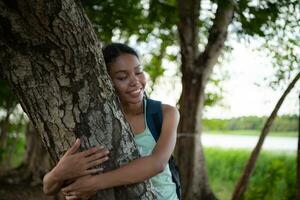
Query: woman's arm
(73, 165)
(138, 170)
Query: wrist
(98, 182)
(56, 175)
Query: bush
(285, 123)
(274, 177)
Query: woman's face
(128, 78)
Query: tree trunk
(196, 69)
(243, 181)
(52, 59)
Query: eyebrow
(124, 71)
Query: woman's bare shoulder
(169, 110)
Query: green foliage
(14, 153)
(7, 98)
(279, 172)
(214, 91)
(253, 133)
(12, 124)
(12, 148)
(282, 123)
(147, 21)
(277, 26)
(109, 16)
(273, 178)
(254, 16)
(282, 43)
(155, 21)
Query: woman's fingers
(101, 153)
(73, 148)
(90, 151)
(72, 197)
(93, 171)
(97, 162)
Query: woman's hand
(83, 188)
(73, 165)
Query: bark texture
(196, 68)
(52, 59)
(241, 186)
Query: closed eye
(121, 78)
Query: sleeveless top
(162, 183)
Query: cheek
(142, 80)
(119, 86)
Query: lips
(135, 92)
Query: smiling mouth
(135, 92)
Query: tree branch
(188, 31)
(242, 184)
(217, 36)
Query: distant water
(272, 143)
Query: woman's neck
(133, 109)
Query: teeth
(136, 91)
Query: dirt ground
(22, 192)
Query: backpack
(154, 120)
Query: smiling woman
(128, 78)
(129, 82)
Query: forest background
(153, 27)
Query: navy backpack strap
(154, 117)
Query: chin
(135, 100)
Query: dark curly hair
(113, 50)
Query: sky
(245, 91)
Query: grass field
(274, 177)
(251, 132)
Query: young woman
(129, 81)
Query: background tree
(281, 39)
(14, 124)
(202, 31)
(241, 186)
(8, 104)
(52, 59)
(298, 159)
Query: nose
(134, 80)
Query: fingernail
(100, 147)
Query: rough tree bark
(196, 68)
(52, 59)
(241, 185)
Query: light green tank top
(164, 187)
